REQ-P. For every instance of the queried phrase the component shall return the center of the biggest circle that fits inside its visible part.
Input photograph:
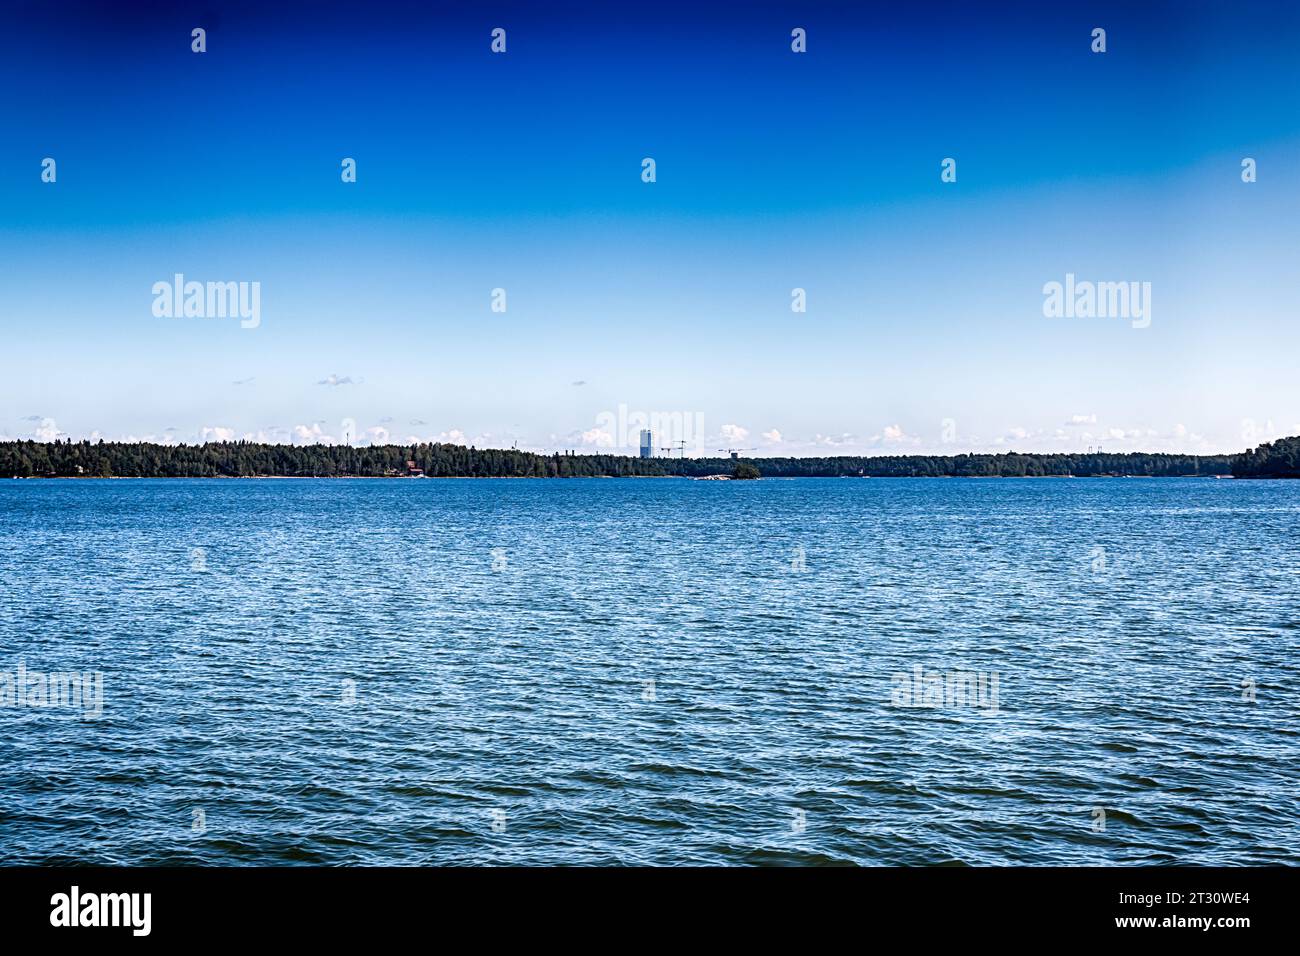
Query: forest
(240, 459)
(1279, 459)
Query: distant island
(85, 459)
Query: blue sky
(924, 329)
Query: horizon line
(634, 457)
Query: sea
(650, 672)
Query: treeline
(1009, 465)
(1279, 459)
(69, 459)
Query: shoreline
(28, 459)
(629, 477)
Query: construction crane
(735, 452)
(679, 446)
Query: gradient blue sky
(775, 170)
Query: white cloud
(47, 430)
(598, 437)
(336, 380)
(1082, 420)
(311, 435)
(734, 433)
(890, 435)
(774, 436)
(216, 433)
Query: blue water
(443, 671)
